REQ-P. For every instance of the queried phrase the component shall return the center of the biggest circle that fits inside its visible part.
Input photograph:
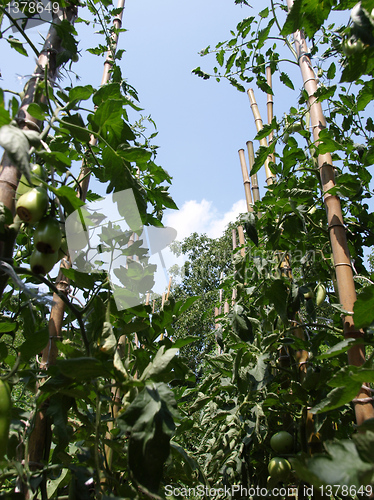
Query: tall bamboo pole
(270, 107)
(40, 435)
(246, 181)
(263, 142)
(251, 158)
(338, 238)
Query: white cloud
(202, 217)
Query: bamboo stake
(246, 181)
(234, 245)
(241, 240)
(263, 142)
(344, 273)
(270, 107)
(251, 158)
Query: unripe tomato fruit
(295, 126)
(42, 263)
(279, 468)
(282, 442)
(320, 294)
(47, 235)
(32, 205)
(35, 172)
(5, 409)
(352, 46)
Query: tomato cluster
(279, 468)
(32, 203)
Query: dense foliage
(139, 403)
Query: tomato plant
(47, 235)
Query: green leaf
(326, 144)
(34, 344)
(366, 95)
(76, 127)
(15, 143)
(342, 467)
(286, 80)
(364, 307)
(80, 93)
(36, 111)
(250, 227)
(241, 324)
(336, 398)
(17, 45)
(339, 348)
(7, 326)
(159, 364)
(81, 280)
(68, 198)
(6, 217)
(150, 425)
(82, 368)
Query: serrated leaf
(250, 227)
(34, 344)
(284, 78)
(15, 143)
(6, 217)
(35, 110)
(82, 368)
(159, 363)
(363, 308)
(149, 422)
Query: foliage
(124, 414)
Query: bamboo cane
(344, 273)
(263, 142)
(270, 107)
(251, 158)
(246, 181)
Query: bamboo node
(314, 79)
(366, 388)
(343, 264)
(302, 54)
(336, 225)
(13, 186)
(362, 400)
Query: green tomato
(279, 469)
(282, 442)
(353, 46)
(320, 294)
(295, 127)
(32, 205)
(42, 263)
(5, 416)
(47, 235)
(37, 172)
